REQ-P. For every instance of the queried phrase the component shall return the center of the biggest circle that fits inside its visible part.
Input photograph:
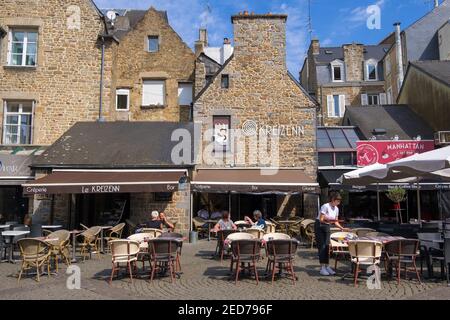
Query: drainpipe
(436, 3)
(100, 116)
(398, 44)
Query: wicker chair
(258, 233)
(376, 234)
(310, 233)
(199, 226)
(59, 246)
(281, 253)
(362, 232)
(366, 253)
(179, 237)
(404, 252)
(245, 251)
(124, 251)
(35, 253)
(276, 236)
(270, 227)
(163, 255)
(143, 246)
(339, 249)
(156, 232)
(90, 241)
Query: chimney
(399, 53)
(353, 62)
(202, 42)
(436, 3)
(226, 51)
(315, 46)
(260, 38)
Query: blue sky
(334, 22)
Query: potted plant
(397, 195)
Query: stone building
(337, 77)
(250, 102)
(419, 42)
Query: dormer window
(371, 70)
(337, 71)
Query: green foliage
(397, 194)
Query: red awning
(105, 181)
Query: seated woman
(259, 220)
(225, 223)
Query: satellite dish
(111, 15)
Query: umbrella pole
(378, 202)
(419, 214)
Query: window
(337, 71)
(373, 99)
(22, 48)
(225, 81)
(184, 94)
(344, 159)
(326, 159)
(18, 122)
(153, 43)
(335, 159)
(371, 70)
(123, 99)
(336, 106)
(153, 93)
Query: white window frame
(25, 44)
(20, 113)
(163, 81)
(369, 63)
(372, 95)
(331, 106)
(148, 42)
(180, 91)
(123, 92)
(335, 64)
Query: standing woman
(328, 215)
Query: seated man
(225, 223)
(259, 220)
(157, 221)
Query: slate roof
(329, 54)
(397, 120)
(439, 70)
(115, 145)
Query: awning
(15, 165)
(105, 181)
(258, 180)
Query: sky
(333, 22)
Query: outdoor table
(52, 227)
(210, 222)
(74, 234)
(11, 235)
(102, 236)
(4, 226)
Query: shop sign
(371, 152)
(252, 128)
(101, 189)
(14, 165)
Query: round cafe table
(102, 237)
(74, 234)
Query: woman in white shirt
(328, 215)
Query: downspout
(102, 66)
(399, 53)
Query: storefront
(14, 171)
(97, 175)
(283, 192)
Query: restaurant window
(163, 196)
(221, 129)
(184, 94)
(22, 47)
(18, 122)
(326, 159)
(153, 93)
(153, 43)
(123, 99)
(225, 81)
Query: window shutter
(341, 105)
(184, 94)
(383, 98)
(8, 56)
(364, 99)
(330, 105)
(153, 92)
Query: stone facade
(173, 63)
(65, 82)
(261, 90)
(353, 59)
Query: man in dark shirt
(158, 220)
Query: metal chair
(431, 251)
(162, 256)
(404, 252)
(245, 251)
(281, 253)
(220, 247)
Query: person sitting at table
(217, 214)
(225, 223)
(327, 216)
(203, 213)
(259, 220)
(158, 220)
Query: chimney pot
(245, 13)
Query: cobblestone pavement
(206, 278)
